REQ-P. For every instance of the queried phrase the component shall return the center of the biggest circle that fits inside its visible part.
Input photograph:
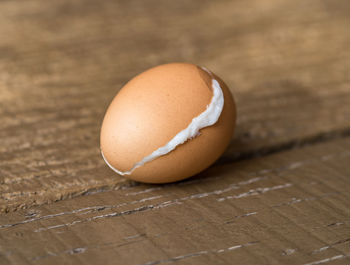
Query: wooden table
(280, 193)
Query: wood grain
(287, 63)
(61, 63)
(277, 209)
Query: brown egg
(159, 104)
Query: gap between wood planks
(293, 144)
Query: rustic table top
(279, 194)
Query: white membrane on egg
(207, 118)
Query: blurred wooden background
(280, 194)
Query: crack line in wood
(291, 166)
(330, 246)
(200, 253)
(320, 138)
(82, 249)
(158, 206)
(328, 259)
(290, 145)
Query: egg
(168, 123)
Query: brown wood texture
(287, 64)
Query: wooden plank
(287, 208)
(61, 63)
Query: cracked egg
(168, 123)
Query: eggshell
(151, 109)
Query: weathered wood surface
(61, 63)
(287, 63)
(277, 209)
